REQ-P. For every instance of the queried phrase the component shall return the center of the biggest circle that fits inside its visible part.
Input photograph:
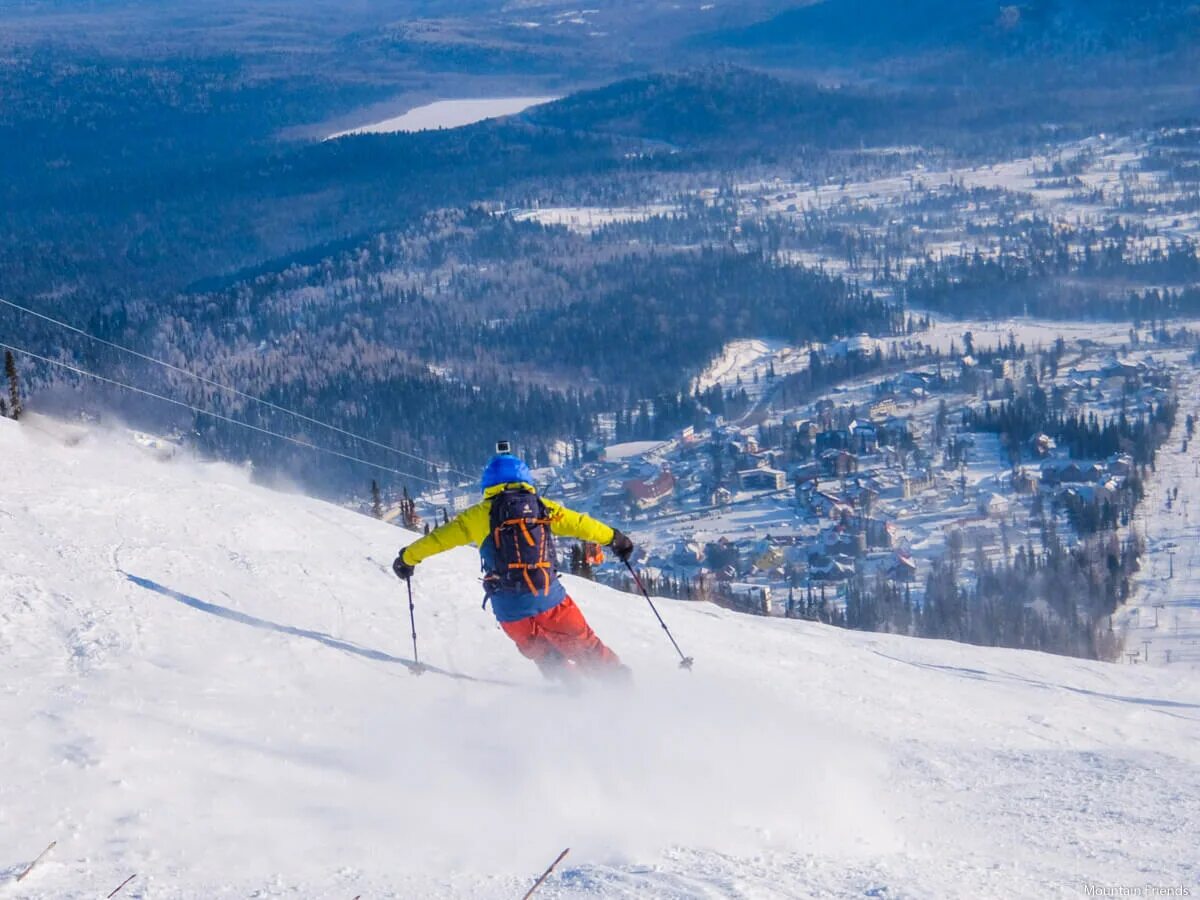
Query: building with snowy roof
(650, 492)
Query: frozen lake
(447, 114)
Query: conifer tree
(408, 511)
(14, 384)
(376, 500)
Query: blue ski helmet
(504, 468)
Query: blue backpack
(524, 544)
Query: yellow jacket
(474, 525)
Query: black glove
(621, 545)
(403, 569)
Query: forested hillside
(178, 201)
(470, 325)
(1039, 28)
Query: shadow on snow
(224, 612)
(996, 677)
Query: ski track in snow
(206, 683)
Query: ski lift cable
(215, 415)
(223, 387)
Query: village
(778, 511)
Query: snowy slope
(1163, 622)
(205, 683)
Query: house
(864, 436)
(992, 505)
(688, 553)
(1120, 464)
(1025, 482)
(862, 494)
(841, 541)
(722, 496)
(1070, 472)
(861, 346)
(832, 439)
(879, 533)
(806, 473)
(1119, 367)
(651, 492)
(1042, 445)
(915, 381)
(761, 459)
(915, 482)
(820, 503)
(903, 568)
(806, 429)
(1092, 493)
(827, 568)
(838, 463)
(882, 409)
(762, 479)
(894, 431)
(770, 559)
(786, 540)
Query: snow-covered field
(1107, 166)
(447, 114)
(630, 449)
(1109, 170)
(1112, 158)
(1031, 332)
(747, 358)
(743, 358)
(586, 219)
(206, 684)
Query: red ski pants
(559, 634)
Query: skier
(513, 528)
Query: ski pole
(537, 884)
(29, 868)
(685, 662)
(121, 885)
(417, 668)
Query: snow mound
(207, 684)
